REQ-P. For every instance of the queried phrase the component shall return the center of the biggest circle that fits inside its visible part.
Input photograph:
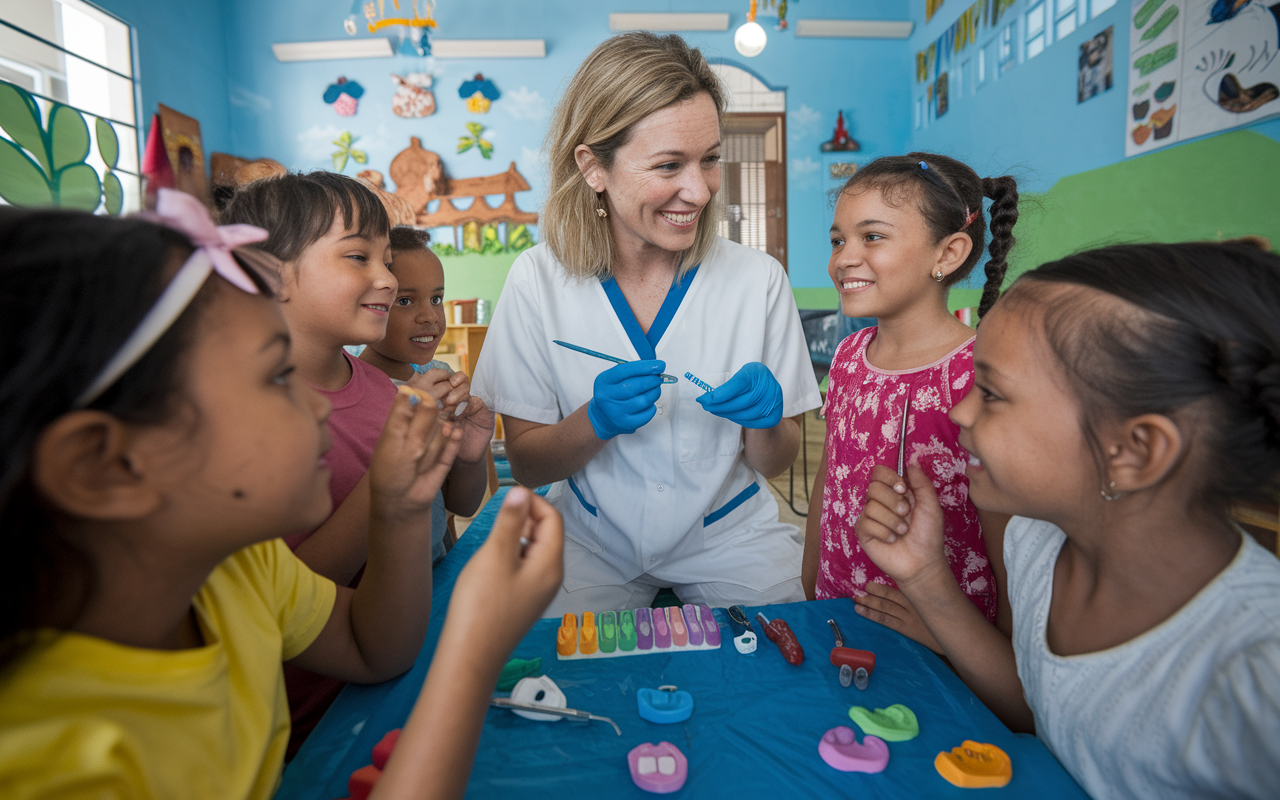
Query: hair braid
(1003, 192)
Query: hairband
(969, 216)
(185, 214)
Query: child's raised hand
(901, 524)
(507, 584)
(413, 456)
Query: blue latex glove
(624, 397)
(752, 398)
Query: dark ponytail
(945, 190)
(1003, 192)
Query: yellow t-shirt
(84, 717)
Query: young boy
(414, 328)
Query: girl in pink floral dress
(906, 229)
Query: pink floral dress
(864, 417)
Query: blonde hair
(624, 80)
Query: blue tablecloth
(754, 732)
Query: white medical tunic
(675, 500)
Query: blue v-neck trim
(646, 345)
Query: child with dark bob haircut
(1124, 398)
(331, 234)
(155, 446)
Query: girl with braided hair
(1124, 398)
(906, 229)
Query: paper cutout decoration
(414, 97)
(343, 96)
(841, 141)
(174, 157)
(41, 166)
(479, 93)
(420, 179)
(376, 15)
(398, 209)
(465, 143)
(345, 151)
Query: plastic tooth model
(710, 628)
(567, 637)
(840, 749)
(661, 628)
(659, 768)
(666, 704)
(692, 625)
(679, 632)
(540, 691)
(626, 630)
(587, 639)
(974, 765)
(608, 632)
(644, 628)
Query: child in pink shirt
(332, 235)
(906, 229)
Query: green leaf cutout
(112, 194)
(108, 144)
(360, 156)
(68, 138)
(22, 182)
(20, 117)
(79, 187)
(465, 143)
(340, 161)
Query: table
(754, 732)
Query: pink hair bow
(182, 212)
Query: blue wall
(276, 109)
(181, 62)
(1027, 123)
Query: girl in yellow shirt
(153, 449)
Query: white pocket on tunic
(702, 434)
(581, 517)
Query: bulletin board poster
(1198, 67)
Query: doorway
(754, 182)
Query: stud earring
(1113, 494)
(601, 212)
(937, 276)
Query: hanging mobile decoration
(781, 6)
(479, 93)
(465, 143)
(414, 97)
(343, 96)
(750, 38)
(375, 13)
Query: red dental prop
(779, 633)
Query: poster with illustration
(1230, 71)
(1155, 70)
(1198, 67)
(941, 93)
(1095, 65)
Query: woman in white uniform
(660, 484)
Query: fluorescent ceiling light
(854, 28)
(489, 48)
(337, 48)
(668, 22)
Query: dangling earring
(1113, 494)
(601, 211)
(937, 276)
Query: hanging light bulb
(750, 38)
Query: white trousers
(640, 592)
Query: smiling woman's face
(663, 178)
